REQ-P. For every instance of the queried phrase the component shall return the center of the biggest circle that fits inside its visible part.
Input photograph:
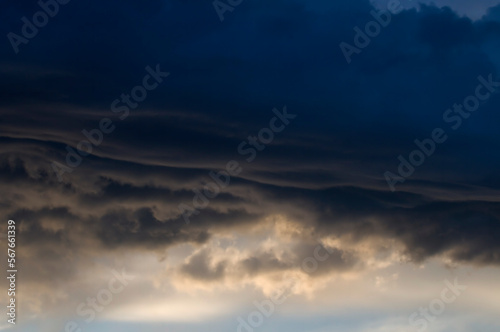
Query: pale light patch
(376, 252)
(287, 229)
(170, 310)
(384, 283)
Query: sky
(251, 165)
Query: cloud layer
(320, 181)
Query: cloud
(323, 175)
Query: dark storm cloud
(324, 170)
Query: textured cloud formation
(322, 177)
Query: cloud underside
(320, 181)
